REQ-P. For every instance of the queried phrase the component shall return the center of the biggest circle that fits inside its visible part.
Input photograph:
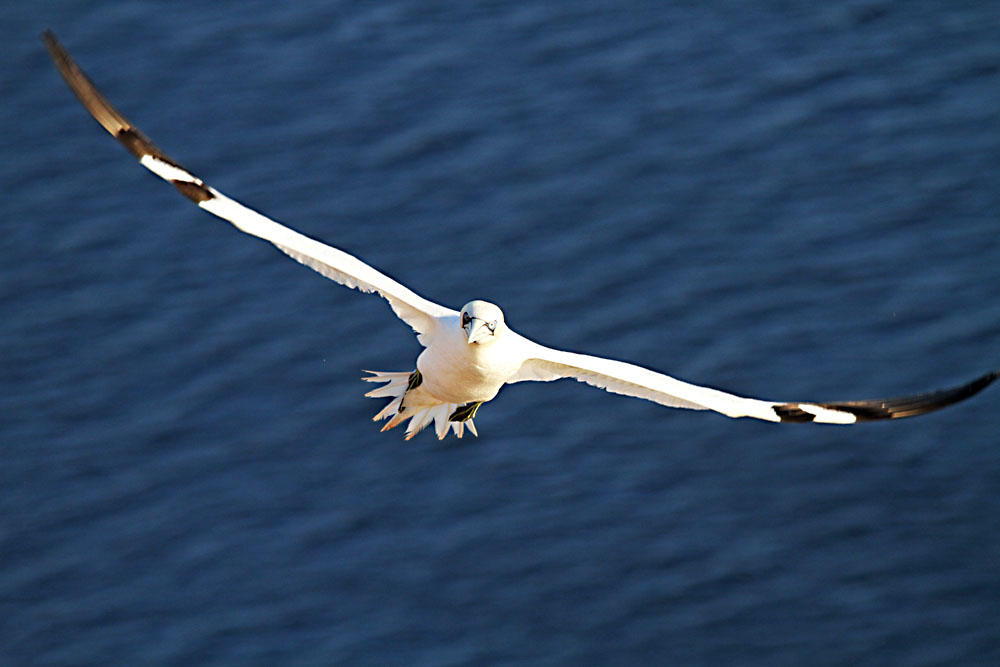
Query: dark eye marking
(492, 326)
(466, 319)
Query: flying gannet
(469, 355)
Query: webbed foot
(416, 379)
(465, 412)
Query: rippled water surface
(787, 201)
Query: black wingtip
(889, 408)
(56, 50)
(98, 106)
(910, 406)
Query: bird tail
(421, 409)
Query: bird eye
(492, 326)
(466, 319)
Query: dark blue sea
(791, 201)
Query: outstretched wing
(618, 377)
(335, 264)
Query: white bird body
(471, 354)
(456, 372)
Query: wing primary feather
(137, 143)
(884, 408)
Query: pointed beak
(476, 330)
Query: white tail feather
(389, 410)
(420, 415)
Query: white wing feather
(546, 364)
(335, 264)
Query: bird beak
(476, 330)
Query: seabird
(469, 355)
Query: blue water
(788, 201)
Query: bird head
(482, 322)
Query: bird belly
(463, 373)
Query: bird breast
(457, 372)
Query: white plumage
(469, 355)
